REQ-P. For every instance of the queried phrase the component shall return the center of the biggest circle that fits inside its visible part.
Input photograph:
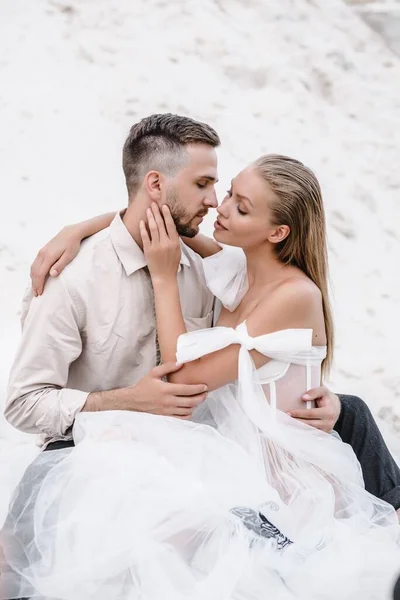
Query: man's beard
(183, 222)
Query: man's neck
(135, 213)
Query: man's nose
(211, 200)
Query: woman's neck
(263, 266)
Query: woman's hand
(62, 249)
(161, 245)
(55, 256)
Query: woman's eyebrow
(240, 195)
(245, 198)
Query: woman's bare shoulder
(295, 302)
(299, 287)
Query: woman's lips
(218, 225)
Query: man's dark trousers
(357, 427)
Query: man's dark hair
(158, 142)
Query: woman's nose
(223, 208)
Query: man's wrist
(117, 399)
(94, 402)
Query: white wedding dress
(242, 503)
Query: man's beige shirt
(93, 329)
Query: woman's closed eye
(229, 195)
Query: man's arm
(37, 398)
(151, 395)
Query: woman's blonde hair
(299, 205)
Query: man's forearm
(117, 399)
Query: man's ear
(279, 234)
(152, 185)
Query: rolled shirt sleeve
(38, 399)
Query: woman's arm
(290, 308)
(293, 305)
(202, 245)
(162, 251)
(94, 225)
(63, 248)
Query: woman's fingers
(162, 232)
(153, 228)
(37, 279)
(161, 224)
(60, 265)
(169, 223)
(145, 236)
(40, 268)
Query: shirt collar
(127, 250)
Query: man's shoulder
(81, 278)
(95, 243)
(95, 253)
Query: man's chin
(189, 232)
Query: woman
(242, 502)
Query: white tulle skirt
(154, 508)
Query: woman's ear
(152, 184)
(279, 234)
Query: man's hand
(152, 395)
(326, 413)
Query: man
(89, 342)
